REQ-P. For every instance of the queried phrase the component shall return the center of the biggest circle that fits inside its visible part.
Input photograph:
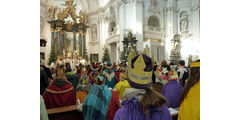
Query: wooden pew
(65, 113)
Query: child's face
(121, 78)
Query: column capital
(62, 32)
(74, 33)
(59, 29)
(80, 31)
(52, 29)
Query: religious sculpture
(86, 17)
(80, 16)
(176, 45)
(184, 22)
(94, 32)
(154, 3)
(60, 14)
(175, 54)
(52, 12)
(70, 10)
(83, 16)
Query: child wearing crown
(139, 101)
(121, 85)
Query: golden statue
(81, 15)
(52, 12)
(86, 18)
(60, 14)
(70, 10)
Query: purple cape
(172, 92)
(131, 111)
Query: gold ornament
(52, 29)
(62, 32)
(69, 26)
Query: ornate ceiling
(88, 5)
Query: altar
(62, 26)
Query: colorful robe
(121, 86)
(82, 91)
(131, 110)
(172, 92)
(100, 104)
(109, 80)
(93, 76)
(190, 106)
(59, 94)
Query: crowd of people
(138, 90)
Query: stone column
(57, 42)
(74, 41)
(62, 42)
(80, 43)
(74, 44)
(84, 43)
(52, 38)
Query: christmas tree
(53, 57)
(85, 55)
(106, 56)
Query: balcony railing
(153, 28)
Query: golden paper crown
(123, 75)
(60, 74)
(137, 74)
(195, 64)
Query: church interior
(120, 59)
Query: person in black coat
(43, 81)
(47, 71)
(153, 75)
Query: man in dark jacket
(183, 72)
(43, 81)
(47, 71)
(153, 75)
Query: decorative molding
(195, 8)
(114, 38)
(120, 2)
(98, 11)
(175, 10)
(154, 10)
(93, 42)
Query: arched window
(153, 21)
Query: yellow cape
(120, 87)
(190, 107)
